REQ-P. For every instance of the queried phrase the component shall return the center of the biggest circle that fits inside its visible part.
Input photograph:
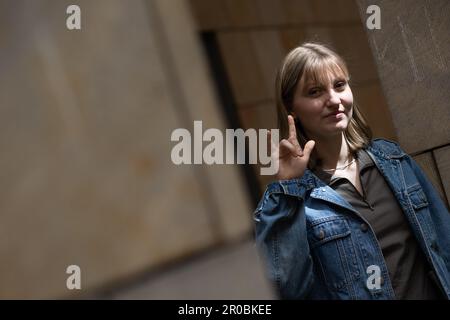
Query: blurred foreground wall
(86, 118)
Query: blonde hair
(314, 61)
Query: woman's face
(324, 109)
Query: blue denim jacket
(313, 244)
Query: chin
(333, 130)
(342, 128)
(341, 125)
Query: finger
(292, 130)
(293, 135)
(309, 146)
(297, 146)
(286, 145)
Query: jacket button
(364, 227)
(321, 235)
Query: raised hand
(292, 160)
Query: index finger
(292, 130)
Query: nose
(333, 98)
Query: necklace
(339, 168)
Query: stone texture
(412, 54)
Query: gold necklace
(340, 168)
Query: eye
(340, 84)
(314, 91)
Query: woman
(348, 217)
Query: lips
(334, 113)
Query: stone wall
(412, 55)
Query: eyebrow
(320, 84)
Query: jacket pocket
(420, 206)
(333, 251)
(417, 197)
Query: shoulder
(388, 148)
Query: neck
(332, 151)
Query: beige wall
(86, 118)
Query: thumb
(309, 146)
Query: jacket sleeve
(280, 226)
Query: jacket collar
(382, 151)
(386, 149)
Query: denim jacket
(313, 242)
